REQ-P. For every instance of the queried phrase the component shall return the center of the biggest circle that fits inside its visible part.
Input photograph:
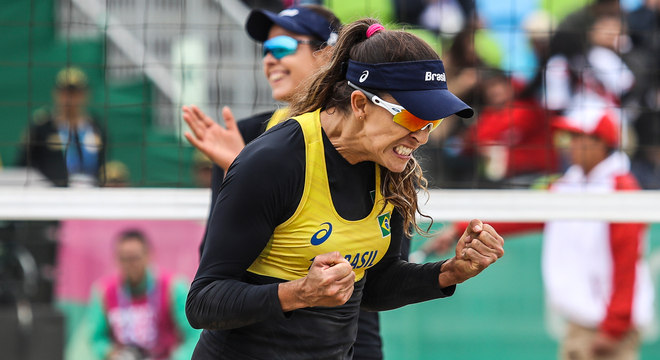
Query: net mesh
(146, 58)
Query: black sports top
(240, 311)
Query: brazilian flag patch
(384, 222)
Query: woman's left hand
(221, 145)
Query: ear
(359, 104)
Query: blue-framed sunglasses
(281, 46)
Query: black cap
(419, 86)
(300, 20)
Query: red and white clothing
(521, 131)
(594, 272)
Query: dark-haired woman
(296, 43)
(308, 219)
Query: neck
(587, 169)
(71, 116)
(138, 287)
(590, 166)
(345, 134)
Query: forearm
(414, 283)
(624, 245)
(448, 274)
(288, 294)
(229, 304)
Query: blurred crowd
(597, 60)
(595, 64)
(552, 62)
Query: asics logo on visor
(364, 76)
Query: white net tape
(22, 203)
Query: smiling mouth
(276, 77)
(403, 150)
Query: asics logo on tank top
(430, 76)
(364, 76)
(322, 235)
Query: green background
(499, 314)
(31, 53)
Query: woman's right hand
(329, 282)
(219, 144)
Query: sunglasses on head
(281, 46)
(402, 116)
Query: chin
(396, 168)
(282, 94)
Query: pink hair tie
(374, 28)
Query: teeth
(275, 77)
(403, 150)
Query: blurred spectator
(512, 137)
(597, 79)
(573, 30)
(644, 29)
(138, 313)
(443, 164)
(538, 27)
(646, 161)
(65, 144)
(445, 17)
(115, 174)
(595, 273)
(434, 14)
(408, 11)
(644, 26)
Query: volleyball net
(21, 203)
(146, 58)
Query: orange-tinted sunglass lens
(412, 122)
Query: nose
(269, 59)
(421, 136)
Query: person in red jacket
(512, 137)
(594, 272)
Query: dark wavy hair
(329, 89)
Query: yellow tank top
(278, 116)
(316, 228)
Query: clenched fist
(479, 246)
(329, 282)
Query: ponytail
(328, 87)
(367, 41)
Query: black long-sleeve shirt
(241, 311)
